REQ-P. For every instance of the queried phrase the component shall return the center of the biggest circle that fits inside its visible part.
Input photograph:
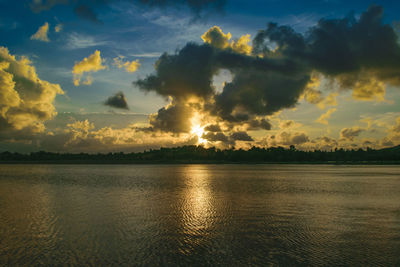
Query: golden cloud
(129, 66)
(365, 86)
(313, 95)
(286, 138)
(81, 136)
(350, 133)
(93, 63)
(58, 27)
(41, 34)
(217, 38)
(369, 90)
(396, 127)
(26, 101)
(242, 45)
(323, 119)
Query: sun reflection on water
(197, 209)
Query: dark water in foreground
(199, 215)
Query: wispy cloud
(149, 55)
(8, 25)
(79, 41)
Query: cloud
(215, 37)
(41, 34)
(58, 28)
(223, 140)
(256, 124)
(78, 41)
(393, 136)
(215, 137)
(212, 128)
(350, 133)
(289, 138)
(253, 91)
(87, 13)
(83, 136)
(241, 136)
(218, 39)
(396, 127)
(369, 89)
(195, 5)
(93, 63)
(312, 93)
(286, 138)
(26, 101)
(242, 45)
(323, 119)
(359, 54)
(80, 8)
(86, 9)
(325, 143)
(183, 75)
(78, 130)
(330, 100)
(286, 124)
(117, 101)
(189, 74)
(174, 118)
(43, 5)
(386, 143)
(148, 55)
(344, 49)
(129, 66)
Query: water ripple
(205, 215)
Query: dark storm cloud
(227, 140)
(288, 138)
(212, 128)
(299, 138)
(188, 73)
(195, 5)
(86, 12)
(117, 101)
(174, 118)
(289, 42)
(355, 52)
(38, 6)
(259, 124)
(86, 8)
(260, 93)
(347, 45)
(241, 136)
(213, 137)
(338, 47)
(260, 86)
(350, 133)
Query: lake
(181, 215)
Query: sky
(130, 75)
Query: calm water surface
(180, 215)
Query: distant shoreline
(92, 162)
(200, 155)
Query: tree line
(193, 154)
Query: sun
(198, 130)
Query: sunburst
(199, 131)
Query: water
(180, 215)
